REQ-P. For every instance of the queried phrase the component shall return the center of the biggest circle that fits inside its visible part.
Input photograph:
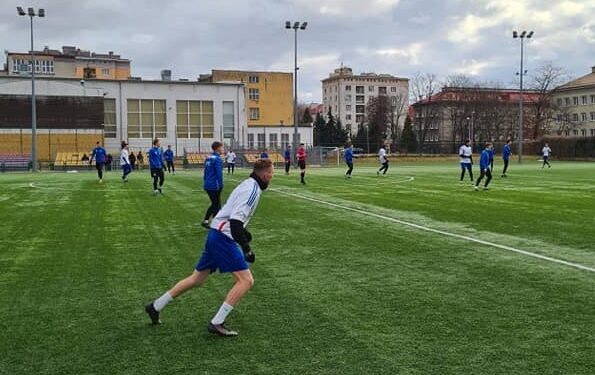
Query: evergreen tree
(319, 129)
(408, 138)
(340, 134)
(307, 117)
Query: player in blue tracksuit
(492, 154)
(506, 153)
(213, 181)
(349, 160)
(169, 160)
(264, 154)
(287, 157)
(156, 165)
(100, 156)
(484, 166)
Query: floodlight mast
(521, 73)
(296, 26)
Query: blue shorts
(466, 166)
(126, 168)
(221, 252)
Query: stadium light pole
(296, 26)
(31, 13)
(524, 34)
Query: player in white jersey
(466, 160)
(230, 159)
(546, 151)
(125, 161)
(383, 161)
(227, 248)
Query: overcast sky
(399, 37)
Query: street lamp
(31, 13)
(296, 26)
(524, 34)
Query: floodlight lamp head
(287, 25)
(41, 12)
(304, 24)
(296, 25)
(30, 12)
(523, 34)
(21, 12)
(515, 34)
(530, 34)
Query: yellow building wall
(119, 73)
(48, 145)
(276, 95)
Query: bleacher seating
(14, 161)
(70, 159)
(251, 157)
(196, 158)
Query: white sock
(160, 302)
(224, 310)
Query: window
(195, 119)
(360, 108)
(325, 91)
(146, 118)
(592, 116)
(348, 107)
(370, 88)
(592, 99)
(359, 89)
(575, 132)
(393, 100)
(105, 71)
(348, 128)
(253, 79)
(109, 118)
(348, 117)
(251, 141)
(575, 117)
(253, 94)
(584, 100)
(348, 88)
(583, 133)
(583, 116)
(297, 140)
(359, 119)
(359, 99)
(575, 100)
(567, 133)
(393, 89)
(559, 102)
(273, 141)
(382, 91)
(348, 97)
(89, 73)
(567, 101)
(284, 140)
(228, 120)
(592, 132)
(254, 113)
(261, 140)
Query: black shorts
(302, 164)
(156, 172)
(99, 166)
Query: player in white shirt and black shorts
(227, 248)
(230, 160)
(125, 161)
(466, 160)
(383, 161)
(546, 151)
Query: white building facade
(346, 95)
(187, 115)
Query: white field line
(442, 232)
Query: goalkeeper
(227, 248)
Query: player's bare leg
(243, 283)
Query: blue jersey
(99, 154)
(213, 177)
(287, 155)
(264, 155)
(349, 155)
(484, 160)
(492, 153)
(168, 155)
(155, 158)
(506, 152)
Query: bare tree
(398, 111)
(545, 79)
(428, 114)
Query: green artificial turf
(337, 291)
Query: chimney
(111, 53)
(166, 75)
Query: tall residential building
(346, 95)
(269, 106)
(575, 102)
(71, 62)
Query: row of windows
(583, 132)
(361, 89)
(147, 118)
(41, 66)
(359, 99)
(260, 142)
(583, 100)
(575, 116)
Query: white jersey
(382, 155)
(466, 153)
(546, 151)
(124, 157)
(240, 205)
(230, 157)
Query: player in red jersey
(301, 158)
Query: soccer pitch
(412, 273)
